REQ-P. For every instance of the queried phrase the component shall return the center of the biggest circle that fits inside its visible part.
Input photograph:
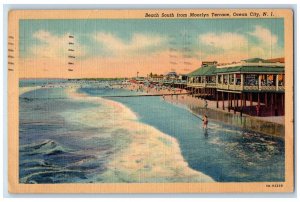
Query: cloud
(93, 67)
(264, 36)
(266, 45)
(54, 46)
(225, 41)
(228, 47)
(138, 42)
(140, 52)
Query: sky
(108, 48)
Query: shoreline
(272, 126)
(149, 156)
(23, 90)
(138, 159)
(244, 122)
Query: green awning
(204, 71)
(254, 60)
(250, 69)
(212, 70)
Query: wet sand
(273, 125)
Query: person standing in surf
(205, 121)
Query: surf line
(138, 159)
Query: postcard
(150, 101)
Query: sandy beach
(188, 100)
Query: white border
(111, 4)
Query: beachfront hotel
(202, 81)
(254, 86)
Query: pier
(144, 95)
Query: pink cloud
(106, 67)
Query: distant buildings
(171, 76)
(155, 78)
(169, 79)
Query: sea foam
(149, 155)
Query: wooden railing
(250, 88)
(196, 85)
(210, 85)
(271, 88)
(202, 85)
(281, 88)
(236, 87)
(223, 86)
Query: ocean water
(77, 136)
(40, 82)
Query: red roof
(280, 60)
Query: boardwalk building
(254, 86)
(202, 82)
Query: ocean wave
(50, 162)
(53, 176)
(23, 90)
(47, 147)
(142, 153)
